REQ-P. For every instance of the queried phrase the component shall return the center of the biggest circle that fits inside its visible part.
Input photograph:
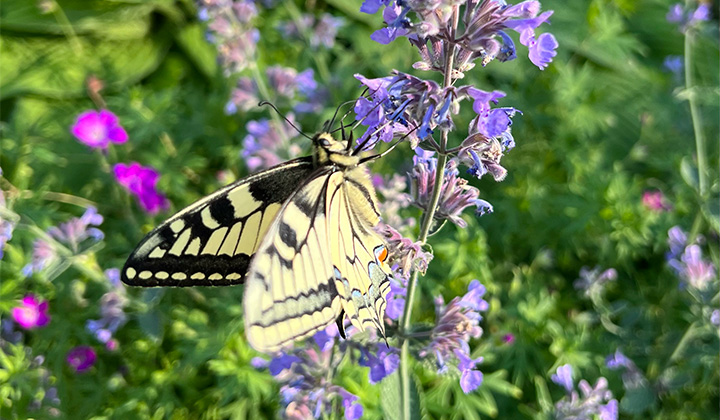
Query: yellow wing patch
(319, 258)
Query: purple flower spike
(563, 377)
(81, 358)
(98, 129)
(32, 313)
(141, 181)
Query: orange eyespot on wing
(383, 255)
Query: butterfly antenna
(263, 103)
(332, 121)
(379, 155)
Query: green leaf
(191, 39)
(391, 397)
(105, 19)
(637, 400)
(55, 67)
(711, 211)
(689, 173)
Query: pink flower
(141, 181)
(655, 200)
(98, 129)
(81, 358)
(32, 313)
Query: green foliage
(601, 125)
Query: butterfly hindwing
(211, 242)
(319, 258)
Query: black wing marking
(211, 242)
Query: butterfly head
(331, 151)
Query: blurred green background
(604, 123)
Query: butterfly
(300, 236)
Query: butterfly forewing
(211, 242)
(316, 260)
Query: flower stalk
(425, 229)
(695, 114)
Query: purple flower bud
(563, 377)
(618, 360)
(655, 201)
(676, 13)
(259, 363)
(715, 317)
(470, 380)
(674, 63)
(81, 358)
(542, 50)
(609, 411)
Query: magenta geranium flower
(32, 313)
(81, 358)
(98, 129)
(141, 181)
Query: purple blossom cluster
(686, 18)
(595, 401)
(394, 199)
(68, 238)
(456, 323)
(320, 31)
(48, 397)
(112, 314)
(141, 181)
(687, 261)
(484, 34)
(97, 130)
(405, 255)
(307, 391)
(230, 29)
(268, 143)
(32, 313)
(81, 358)
(299, 89)
(407, 106)
(455, 196)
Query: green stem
(684, 341)
(695, 114)
(67, 28)
(425, 229)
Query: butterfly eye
(324, 142)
